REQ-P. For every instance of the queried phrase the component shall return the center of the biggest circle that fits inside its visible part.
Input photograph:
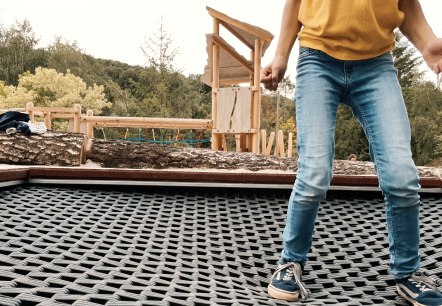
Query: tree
(424, 105)
(47, 87)
(286, 88)
(14, 96)
(159, 50)
(66, 56)
(349, 136)
(406, 61)
(18, 52)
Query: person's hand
(273, 73)
(433, 55)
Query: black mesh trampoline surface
(62, 245)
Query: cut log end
(50, 148)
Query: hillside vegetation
(61, 74)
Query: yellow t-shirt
(349, 29)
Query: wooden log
(50, 148)
(125, 154)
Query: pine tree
(406, 61)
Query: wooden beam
(69, 110)
(257, 31)
(144, 122)
(230, 50)
(236, 34)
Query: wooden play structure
(235, 109)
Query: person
(345, 57)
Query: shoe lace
(293, 272)
(424, 281)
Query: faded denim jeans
(371, 89)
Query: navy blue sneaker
(286, 283)
(420, 289)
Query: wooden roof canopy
(233, 67)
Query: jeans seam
(394, 237)
(380, 172)
(369, 136)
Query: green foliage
(285, 113)
(159, 50)
(438, 140)
(18, 52)
(269, 111)
(406, 61)
(423, 101)
(349, 136)
(14, 97)
(287, 127)
(47, 87)
(424, 104)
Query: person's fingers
(437, 67)
(265, 73)
(267, 82)
(274, 84)
(271, 75)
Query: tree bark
(50, 148)
(123, 154)
(70, 149)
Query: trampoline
(98, 245)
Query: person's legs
(317, 98)
(375, 96)
(318, 92)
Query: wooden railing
(86, 123)
(49, 113)
(274, 145)
(92, 121)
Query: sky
(116, 29)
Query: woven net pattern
(80, 246)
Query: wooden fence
(85, 123)
(279, 148)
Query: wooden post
(223, 142)
(281, 143)
(256, 104)
(216, 138)
(48, 120)
(29, 109)
(263, 141)
(238, 142)
(279, 148)
(243, 138)
(270, 143)
(290, 145)
(89, 125)
(77, 118)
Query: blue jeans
(371, 89)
